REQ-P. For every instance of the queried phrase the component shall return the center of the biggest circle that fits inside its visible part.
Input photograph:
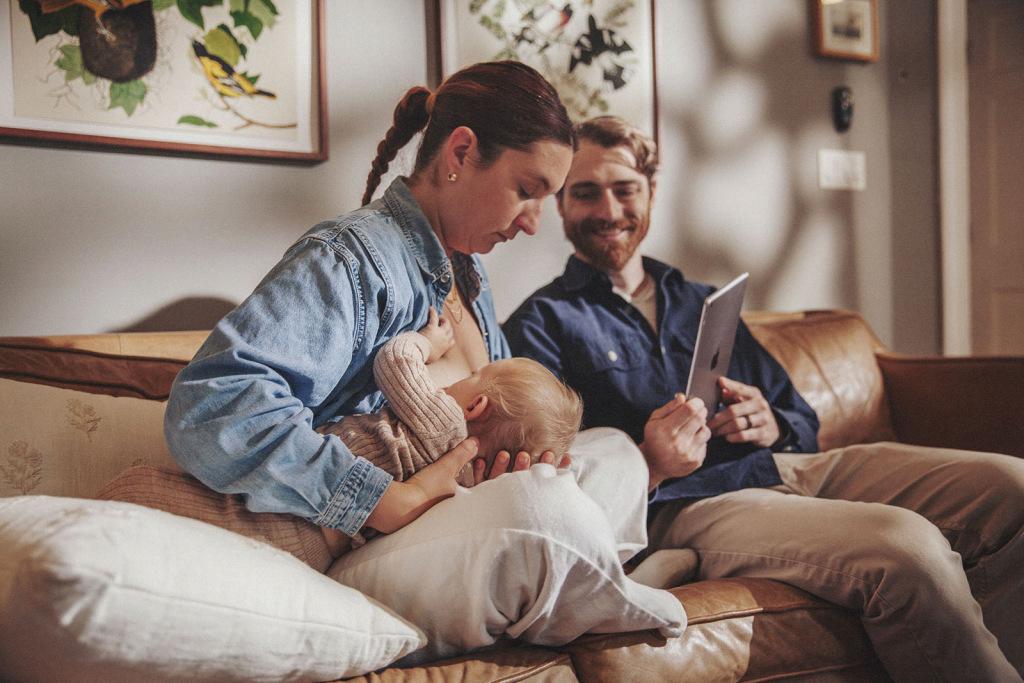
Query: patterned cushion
(64, 442)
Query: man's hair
(612, 131)
(531, 410)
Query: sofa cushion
(506, 662)
(830, 356)
(108, 591)
(64, 442)
(739, 629)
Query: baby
(515, 405)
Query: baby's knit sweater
(421, 422)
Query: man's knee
(902, 554)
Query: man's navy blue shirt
(605, 349)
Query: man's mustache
(601, 226)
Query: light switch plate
(840, 169)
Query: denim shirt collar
(579, 274)
(423, 243)
(426, 247)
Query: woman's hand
(748, 417)
(406, 500)
(522, 462)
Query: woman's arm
(240, 415)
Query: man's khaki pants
(925, 544)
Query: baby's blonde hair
(531, 410)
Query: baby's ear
(477, 409)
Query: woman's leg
(528, 555)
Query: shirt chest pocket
(606, 354)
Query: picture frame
(845, 29)
(207, 78)
(598, 54)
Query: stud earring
(452, 177)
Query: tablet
(715, 337)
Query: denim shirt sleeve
(240, 415)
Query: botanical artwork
(596, 54)
(83, 417)
(215, 71)
(23, 470)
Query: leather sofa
(739, 629)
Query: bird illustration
(97, 6)
(542, 25)
(602, 46)
(225, 79)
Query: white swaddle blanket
(535, 555)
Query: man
(913, 549)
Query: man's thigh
(975, 499)
(837, 550)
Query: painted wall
(94, 241)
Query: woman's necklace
(453, 306)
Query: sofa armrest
(969, 402)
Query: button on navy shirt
(605, 349)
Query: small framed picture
(846, 29)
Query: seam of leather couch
(562, 659)
(836, 668)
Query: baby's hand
(438, 332)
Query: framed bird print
(599, 54)
(229, 78)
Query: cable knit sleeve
(401, 373)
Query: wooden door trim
(954, 177)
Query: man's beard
(607, 256)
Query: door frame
(954, 177)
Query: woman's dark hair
(507, 105)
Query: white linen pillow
(110, 591)
(527, 555)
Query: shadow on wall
(190, 313)
(740, 128)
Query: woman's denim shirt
(298, 352)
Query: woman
(298, 353)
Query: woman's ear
(477, 409)
(457, 150)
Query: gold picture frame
(845, 29)
(211, 78)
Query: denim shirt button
(612, 356)
(446, 277)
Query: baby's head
(517, 405)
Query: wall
(94, 241)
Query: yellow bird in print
(224, 78)
(97, 6)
